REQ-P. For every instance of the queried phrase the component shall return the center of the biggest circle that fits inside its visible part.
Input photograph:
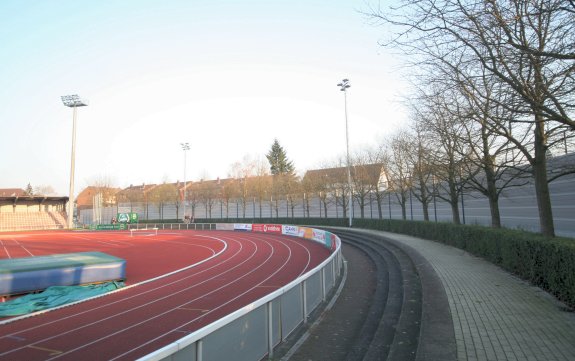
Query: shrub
(545, 262)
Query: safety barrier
(253, 331)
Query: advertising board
(290, 230)
(131, 217)
(247, 227)
(267, 228)
(305, 232)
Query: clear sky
(226, 76)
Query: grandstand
(22, 212)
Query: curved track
(138, 320)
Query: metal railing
(252, 332)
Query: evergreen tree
(279, 163)
(29, 190)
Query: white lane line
(5, 249)
(123, 289)
(128, 298)
(156, 315)
(218, 307)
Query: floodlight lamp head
(344, 85)
(73, 101)
(185, 146)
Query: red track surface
(231, 270)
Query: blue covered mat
(23, 275)
(54, 296)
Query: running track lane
(136, 321)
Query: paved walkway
(497, 316)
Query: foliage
(279, 163)
(29, 190)
(545, 262)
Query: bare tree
(365, 177)
(44, 190)
(417, 154)
(242, 172)
(527, 45)
(163, 194)
(399, 169)
(451, 153)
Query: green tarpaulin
(54, 296)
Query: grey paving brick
(496, 315)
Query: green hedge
(547, 263)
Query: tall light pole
(185, 148)
(344, 85)
(73, 101)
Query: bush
(545, 262)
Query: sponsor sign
(318, 236)
(257, 228)
(108, 227)
(131, 217)
(332, 242)
(290, 230)
(305, 232)
(272, 228)
(242, 227)
(267, 228)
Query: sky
(228, 77)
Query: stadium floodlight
(185, 148)
(344, 85)
(73, 101)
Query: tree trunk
(488, 168)
(424, 200)
(540, 175)
(344, 205)
(454, 202)
(403, 210)
(425, 207)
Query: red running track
(219, 272)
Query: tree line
(492, 97)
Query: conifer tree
(279, 163)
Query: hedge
(545, 262)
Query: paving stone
(495, 314)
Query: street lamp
(344, 85)
(185, 148)
(73, 101)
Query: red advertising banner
(267, 228)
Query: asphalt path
(237, 269)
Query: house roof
(12, 192)
(85, 197)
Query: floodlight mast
(73, 101)
(185, 148)
(344, 85)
